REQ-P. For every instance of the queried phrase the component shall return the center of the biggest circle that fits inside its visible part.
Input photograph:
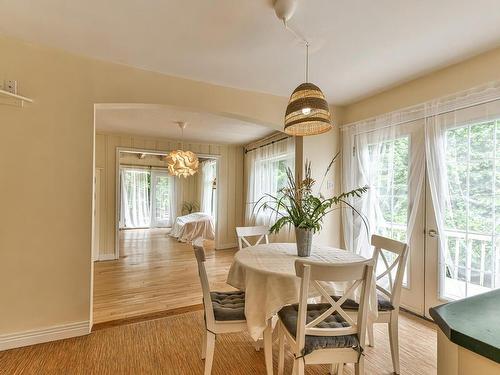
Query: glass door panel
(389, 176)
(161, 199)
(396, 205)
(470, 261)
(470, 221)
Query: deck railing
(461, 245)
(472, 258)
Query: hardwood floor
(157, 273)
(172, 346)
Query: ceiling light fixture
(182, 163)
(307, 112)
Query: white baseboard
(104, 257)
(226, 246)
(38, 336)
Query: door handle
(432, 233)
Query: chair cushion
(228, 305)
(288, 316)
(383, 303)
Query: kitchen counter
(469, 325)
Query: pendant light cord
(305, 41)
(182, 125)
(307, 61)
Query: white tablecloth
(194, 226)
(267, 275)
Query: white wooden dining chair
(391, 269)
(324, 332)
(224, 312)
(243, 232)
(389, 298)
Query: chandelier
(180, 162)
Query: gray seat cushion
(383, 303)
(288, 316)
(228, 305)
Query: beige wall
(46, 171)
(319, 150)
(231, 183)
(462, 76)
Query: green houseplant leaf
(296, 205)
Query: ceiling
(358, 47)
(152, 120)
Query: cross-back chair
(389, 298)
(392, 269)
(224, 311)
(325, 332)
(243, 232)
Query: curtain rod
(424, 117)
(266, 144)
(141, 166)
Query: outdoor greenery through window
(389, 166)
(281, 171)
(162, 198)
(390, 181)
(276, 167)
(472, 217)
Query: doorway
(151, 270)
(149, 197)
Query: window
(276, 169)
(265, 173)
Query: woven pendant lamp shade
(307, 112)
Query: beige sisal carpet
(171, 345)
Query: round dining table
(266, 273)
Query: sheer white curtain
(378, 153)
(175, 199)
(135, 198)
(207, 178)
(265, 172)
(459, 143)
(148, 198)
(463, 151)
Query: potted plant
(297, 205)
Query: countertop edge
(464, 340)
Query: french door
(392, 165)
(161, 198)
(463, 256)
(435, 183)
